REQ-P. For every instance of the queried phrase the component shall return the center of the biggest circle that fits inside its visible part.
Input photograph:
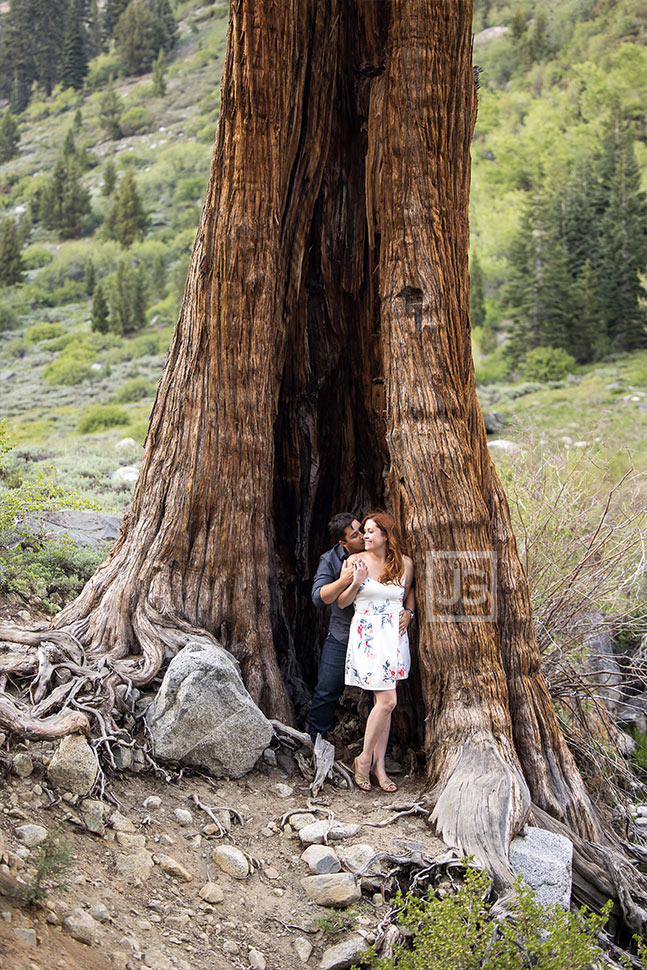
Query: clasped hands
(355, 573)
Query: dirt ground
(268, 910)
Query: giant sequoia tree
(322, 361)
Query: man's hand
(405, 620)
(346, 574)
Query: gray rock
(338, 889)
(123, 756)
(131, 840)
(80, 527)
(211, 893)
(303, 948)
(174, 868)
(343, 954)
(74, 766)
(153, 802)
(269, 757)
(120, 823)
(126, 444)
(135, 867)
(99, 912)
(321, 859)
(493, 421)
(183, 816)
(203, 716)
(127, 473)
(93, 812)
(601, 661)
(31, 835)
(256, 959)
(231, 860)
(299, 822)
(283, 791)
(545, 860)
(22, 765)
(81, 926)
(333, 831)
(7, 375)
(355, 857)
(26, 935)
(157, 960)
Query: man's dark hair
(338, 525)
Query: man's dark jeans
(330, 686)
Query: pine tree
(89, 275)
(95, 32)
(9, 136)
(159, 72)
(623, 230)
(100, 313)
(165, 24)
(158, 276)
(69, 145)
(11, 264)
(78, 120)
(46, 28)
(65, 202)
(139, 299)
(74, 58)
(135, 38)
(128, 220)
(112, 11)
(588, 339)
(539, 287)
(19, 69)
(109, 178)
(110, 111)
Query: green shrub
(134, 390)
(73, 365)
(135, 121)
(190, 190)
(8, 317)
(50, 572)
(52, 860)
(59, 343)
(37, 256)
(547, 364)
(44, 331)
(100, 417)
(15, 348)
(459, 931)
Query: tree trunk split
(322, 362)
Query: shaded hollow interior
(330, 435)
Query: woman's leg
(377, 733)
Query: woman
(378, 646)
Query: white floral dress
(377, 656)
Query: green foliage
(9, 137)
(134, 389)
(128, 220)
(127, 299)
(90, 275)
(143, 29)
(547, 364)
(159, 74)
(73, 365)
(101, 417)
(52, 862)
(135, 121)
(65, 202)
(458, 931)
(51, 572)
(36, 257)
(74, 59)
(639, 754)
(11, 262)
(109, 178)
(335, 922)
(44, 331)
(100, 313)
(111, 108)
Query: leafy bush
(44, 331)
(8, 317)
(73, 365)
(59, 343)
(135, 121)
(51, 572)
(37, 256)
(100, 417)
(134, 390)
(547, 364)
(52, 861)
(459, 931)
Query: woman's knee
(386, 699)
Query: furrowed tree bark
(322, 361)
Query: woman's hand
(405, 620)
(360, 572)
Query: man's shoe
(392, 766)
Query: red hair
(393, 571)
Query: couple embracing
(368, 583)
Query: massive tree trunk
(322, 361)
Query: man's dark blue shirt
(327, 572)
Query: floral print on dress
(377, 655)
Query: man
(332, 577)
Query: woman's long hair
(393, 571)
